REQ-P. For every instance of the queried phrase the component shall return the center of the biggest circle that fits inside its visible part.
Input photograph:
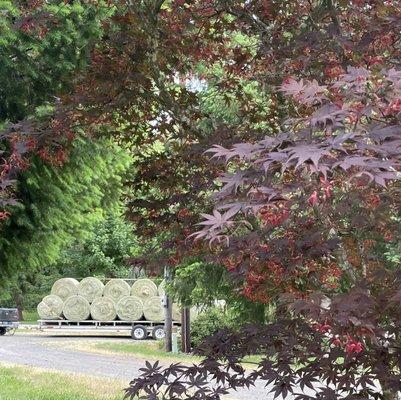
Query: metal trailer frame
(138, 330)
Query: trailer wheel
(3, 331)
(158, 332)
(139, 332)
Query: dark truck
(8, 320)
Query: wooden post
(168, 322)
(185, 330)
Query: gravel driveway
(48, 352)
(39, 351)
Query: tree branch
(158, 6)
(333, 15)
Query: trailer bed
(132, 328)
(62, 323)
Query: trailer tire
(158, 332)
(3, 331)
(139, 332)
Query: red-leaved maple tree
(300, 215)
(303, 208)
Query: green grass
(24, 383)
(146, 350)
(153, 351)
(30, 317)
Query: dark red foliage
(324, 360)
(308, 189)
(21, 141)
(302, 211)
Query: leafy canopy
(58, 203)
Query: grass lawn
(152, 351)
(147, 350)
(30, 317)
(27, 383)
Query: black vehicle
(8, 320)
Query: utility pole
(186, 330)
(168, 322)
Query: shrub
(207, 324)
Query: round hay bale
(176, 311)
(76, 308)
(144, 289)
(153, 309)
(116, 289)
(90, 288)
(162, 288)
(65, 287)
(51, 307)
(130, 308)
(103, 309)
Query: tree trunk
(18, 304)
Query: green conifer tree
(43, 49)
(60, 203)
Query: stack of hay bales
(116, 300)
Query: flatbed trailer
(138, 330)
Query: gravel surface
(47, 352)
(38, 351)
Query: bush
(207, 324)
(30, 316)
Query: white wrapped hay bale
(103, 309)
(116, 289)
(130, 308)
(90, 288)
(65, 287)
(161, 289)
(51, 307)
(144, 289)
(76, 308)
(153, 309)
